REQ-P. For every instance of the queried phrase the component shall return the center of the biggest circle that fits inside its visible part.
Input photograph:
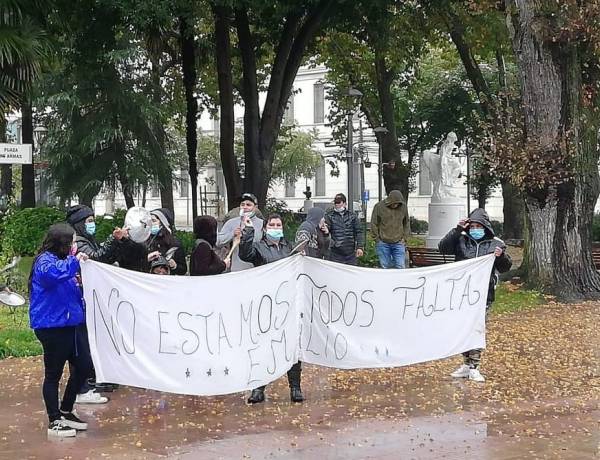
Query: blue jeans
(391, 255)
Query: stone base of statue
(442, 218)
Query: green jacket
(388, 224)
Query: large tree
(273, 36)
(556, 162)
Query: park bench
(427, 257)
(596, 255)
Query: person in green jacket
(390, 226)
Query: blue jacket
(55, 299)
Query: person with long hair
(272, 247)
(163, 242)
(57, 317)
(204, 260)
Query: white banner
(233, 332)
(192, 335)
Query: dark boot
(257, 396)
(294, 378)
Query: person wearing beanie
(347, 237)
(163, 242)
(160, 266)
(204, 260)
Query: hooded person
(471, 238)
(160, 266)
(204, 260)
(313, 232)
(390, 227)
(163, 242)
(230, 233)
(81, 218)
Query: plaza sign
(15, 154)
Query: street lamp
(39, 134)
(354, 93)
(383, 131)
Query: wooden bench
(427, 257)
(596, 255)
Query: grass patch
(511, 297)
(16, 338)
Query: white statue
(444, 170)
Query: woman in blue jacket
(57, 316)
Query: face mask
(73, 250)
(155, 230)
(477, 233)
(274, 233)
(90, 228)
(249, 214)
(340, 210)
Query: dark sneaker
(70, 419)
(257, 396)
(296, 395)
(59, 429)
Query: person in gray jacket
(232, 229)
(272, 247)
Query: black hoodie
(459, 243)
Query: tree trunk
(231, 173)
(6, 187)
(513, 212)
(124, 180)
(188, 67)
(558, 128)
(27, 172)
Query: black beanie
(78, 213)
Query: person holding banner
(272, 247)
(204, 260)
(81, 218)
(163, 242)
(314, 234)
(57, 317)
(474, 237)
(231, 231)
(347, 238)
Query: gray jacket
(264, 251)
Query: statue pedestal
(442, 218)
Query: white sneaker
(462, 372)
(476, 376)
(59, 429)
(91, 397)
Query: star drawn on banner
(226, 371)
(209, 372)
(187, 373)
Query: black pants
(62, 344)
(294, 376)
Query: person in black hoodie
(204, 260)
(474, 237)
(163, 242)
(272, 247)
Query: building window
(290, 189)
(288, 115)
(320, 180)
(424, 179)
(319, 103)
(184, 181)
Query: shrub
(105, 227)
(498, 227)
(187, 240)
(23, 229)
(420, 227)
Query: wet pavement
(540, 401)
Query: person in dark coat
(314, 233)
(162, 242)
(347, 238)
(204, 260)
(57, 317)
(474, 237)
(272, 247)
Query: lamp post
(383, 131)
(354, 93)
(39, 134)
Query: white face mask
(246, 214)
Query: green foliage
(105, 226)
(291, 220)
(420, 227)
(498, 227)
(23, 230)
(187, 240)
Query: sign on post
(15, 154)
